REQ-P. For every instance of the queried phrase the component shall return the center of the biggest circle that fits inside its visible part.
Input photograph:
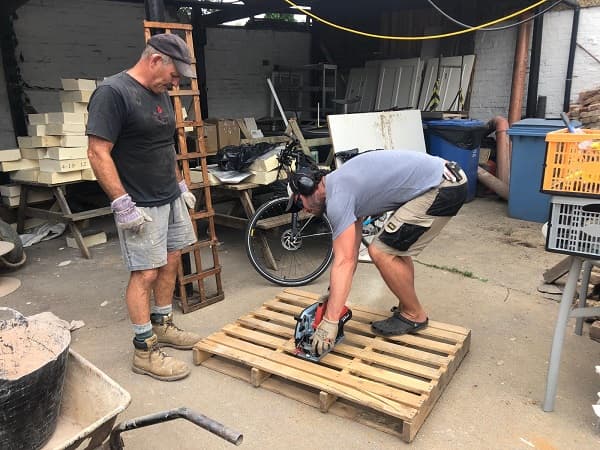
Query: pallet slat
(390, 384)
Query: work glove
(127, 215)
(188, 197)
(324, 337)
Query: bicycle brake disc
(291, 241)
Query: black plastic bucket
(33, 364)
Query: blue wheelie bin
(528, 136)
(457, 140)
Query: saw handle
(320, 313)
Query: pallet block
(390, 384)
(62, 129)
(10, 154)
(73, 141)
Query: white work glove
(127, 215)
(324, 337)
(188, 197)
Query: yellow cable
(413, 38)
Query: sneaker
(170, 335)
(149, 359)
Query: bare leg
(165, 283)
(137, 295)
(398, 272)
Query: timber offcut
(390, 384)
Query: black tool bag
(239, 157)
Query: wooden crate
(390, 384)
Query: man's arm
(345, 251)
(104, 167)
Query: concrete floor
(493, 401)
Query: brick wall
(238, 62)
(492, 79)
(7, 138)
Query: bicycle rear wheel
(282, 255)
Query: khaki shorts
(414, 225)
(171, 229)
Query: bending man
(424, 191)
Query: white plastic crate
(574, 226)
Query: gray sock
(142, 332)
(162, 310)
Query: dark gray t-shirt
(376, 182)
(141, 125)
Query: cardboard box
(210, 138)
(228, 132)
(64, 165)
(10, 154)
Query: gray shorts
(170, 230)
(414, 225)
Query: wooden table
(241, 192)
(64, 213)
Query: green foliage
(280, 16)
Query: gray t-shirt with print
(141, 125)
(378, 181)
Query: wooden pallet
(388, 384)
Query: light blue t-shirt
(378, 181)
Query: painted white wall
(236, 77)
(66, 39)
(492, 77)
(490, 94)
(99, 38)
(555, 53)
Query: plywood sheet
(377, 130)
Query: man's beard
(317, 207)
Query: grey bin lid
(537, 127)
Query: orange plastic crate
(572, 165)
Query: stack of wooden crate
(55, 150)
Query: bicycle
(294, 248)
(289, 248)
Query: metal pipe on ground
(493, 183)
(502, 148)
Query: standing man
(425, 192)
(131, 126)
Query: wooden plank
(558, 270)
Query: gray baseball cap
(176, 48)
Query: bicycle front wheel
(288, 249)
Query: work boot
(170, 335)
(149, 359)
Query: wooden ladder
(206, 295)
